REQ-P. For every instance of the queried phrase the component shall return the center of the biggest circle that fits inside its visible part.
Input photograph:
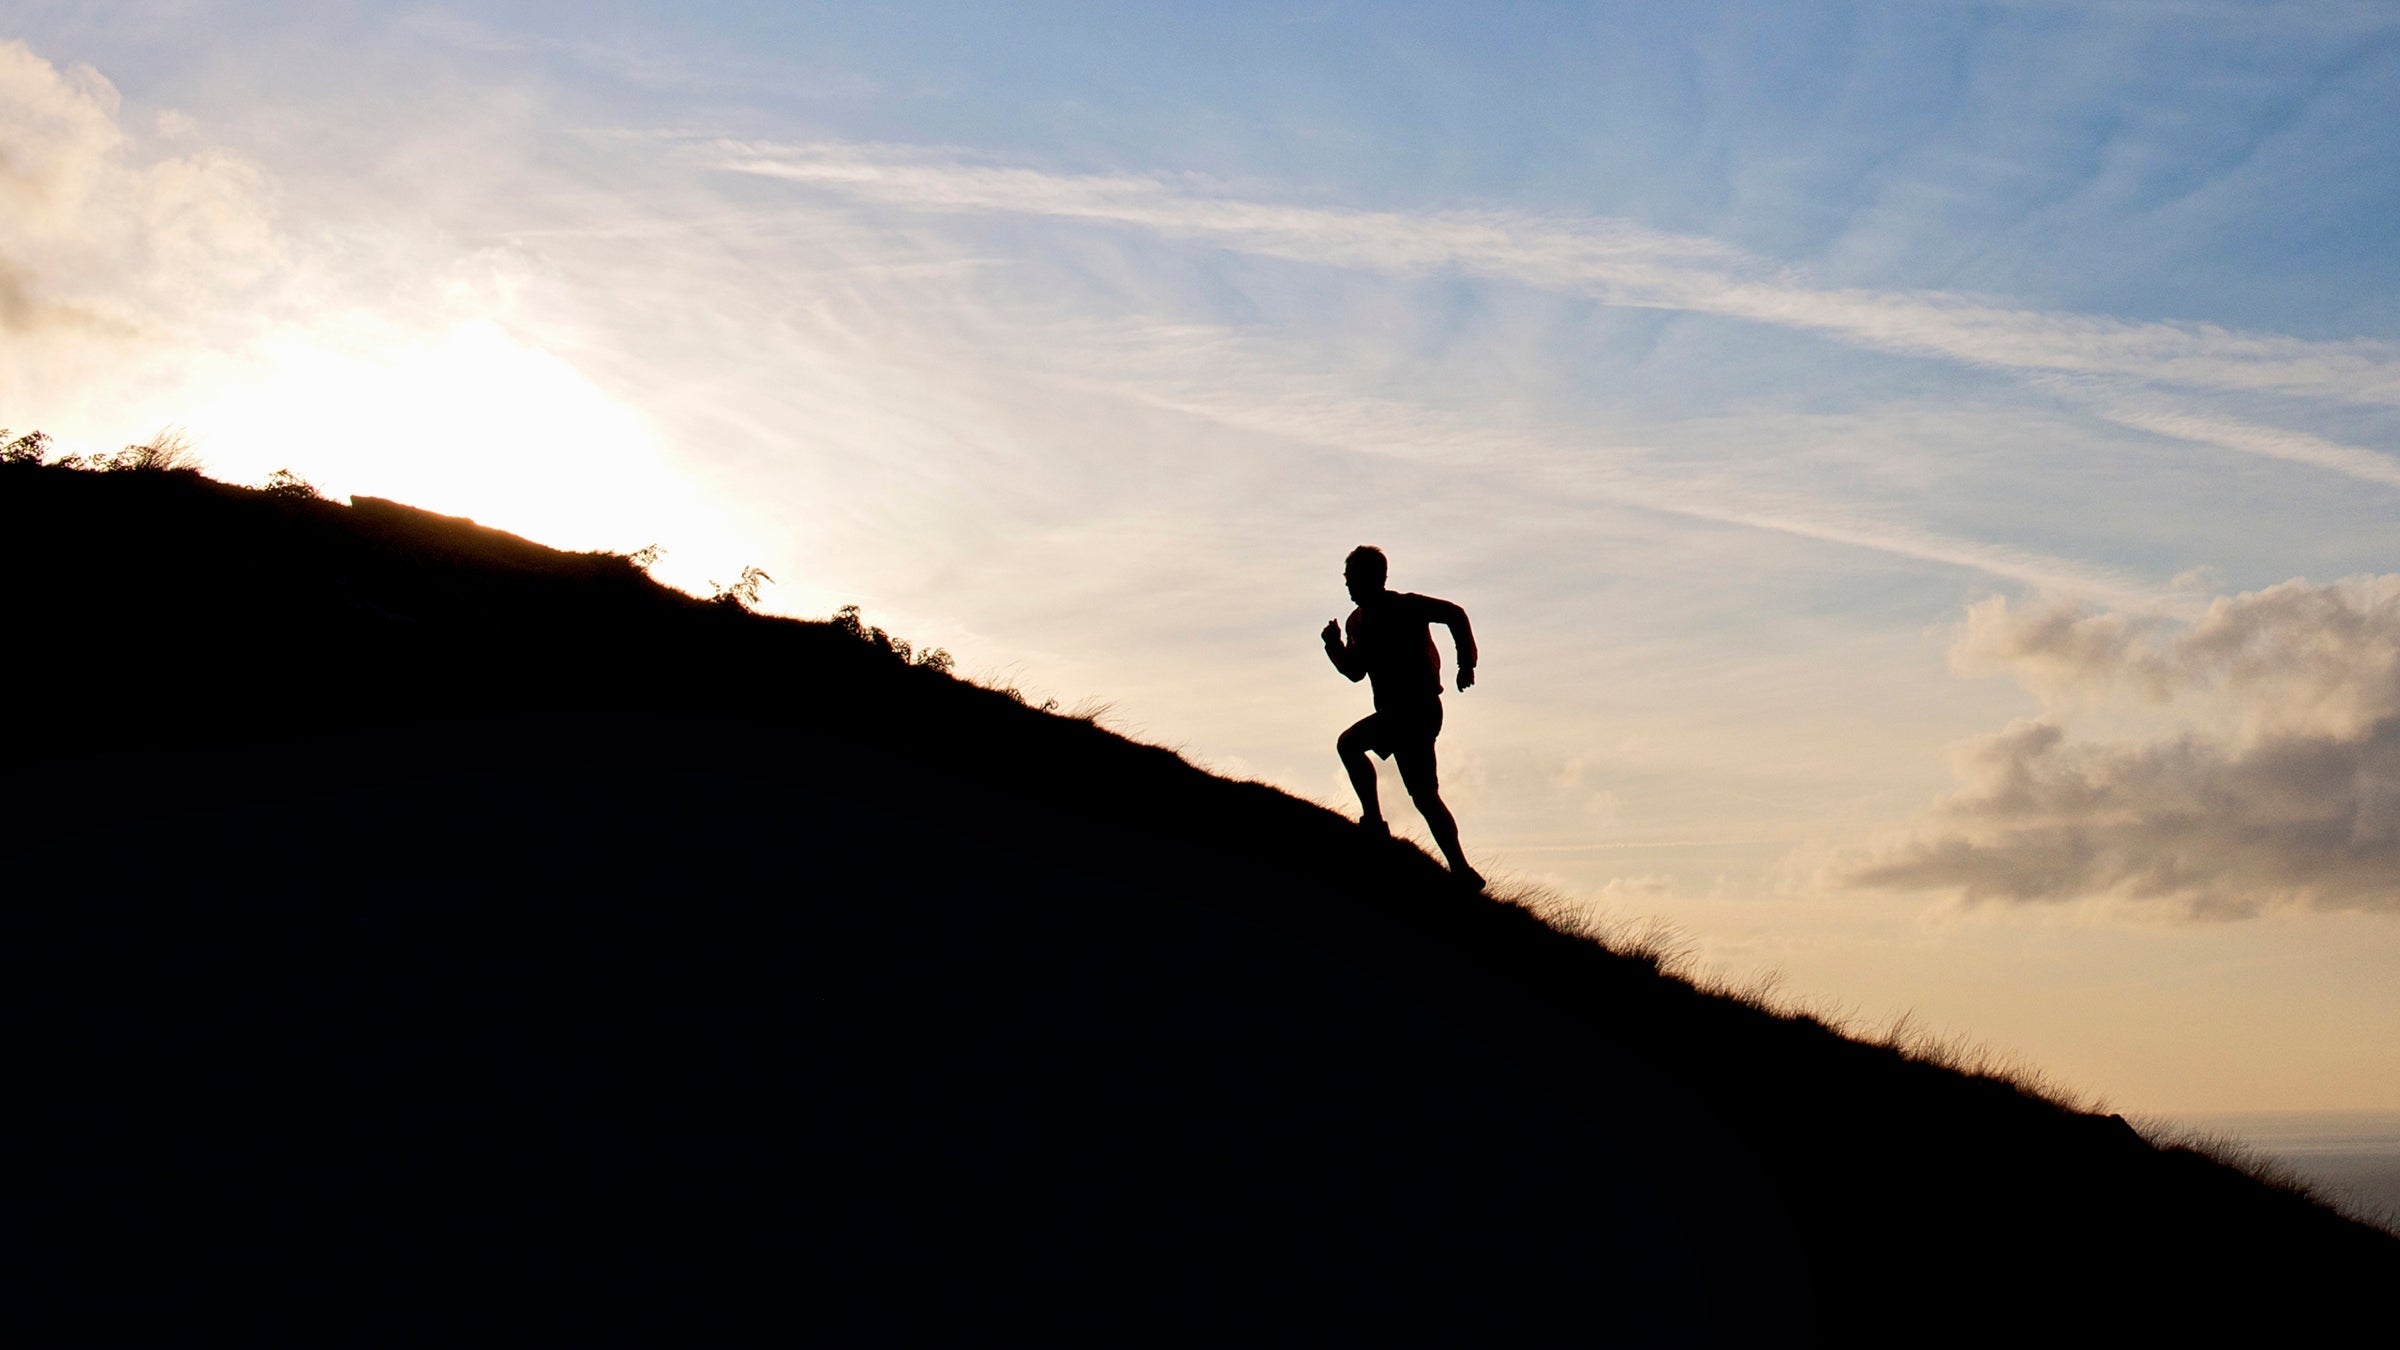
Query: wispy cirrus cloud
(2253, 438)
(1612, 261)
(1236, 382)
(950, 338)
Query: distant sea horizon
(2351, 1158)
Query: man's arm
(1345, 659)
(1462, 636)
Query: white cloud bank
(2281, 788)
(106, 236)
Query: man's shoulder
(1423, 603)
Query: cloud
(1613, 261)
(1241, 382)
(1648, 888)
(102, 235)
(892, 338)
(58, 131)
(2289, 659)
(193, 224)
(2251, 438)
(2280, 788)
(62, 129)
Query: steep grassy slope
(421, 933)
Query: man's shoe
(1374, 826)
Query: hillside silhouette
(418, 933)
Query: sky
(1923, 474)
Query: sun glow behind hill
(472, 422)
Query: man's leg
(1418, 769)
(1353, 748)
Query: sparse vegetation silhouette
(285, 484)
(846, 620)
(168, 451)
(742, 594)
(31, 448)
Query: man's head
(1364, 572)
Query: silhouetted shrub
(31, 448)
(170, 451)
(285, 484)
(647, 556)
(743, 594)
(846, 620)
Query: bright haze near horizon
(1925, 476)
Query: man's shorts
(1407, 732)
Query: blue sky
(1923, 473)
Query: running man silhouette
(1391, 642)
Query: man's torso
(1393, 637)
